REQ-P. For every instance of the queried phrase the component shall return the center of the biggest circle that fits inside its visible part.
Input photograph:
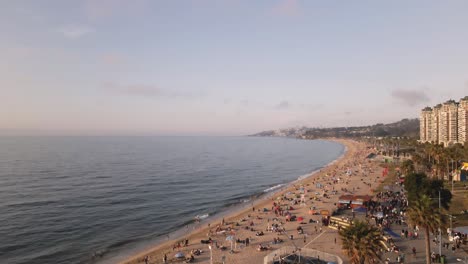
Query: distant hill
(403, 128)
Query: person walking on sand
(146, 259)
(165, 258)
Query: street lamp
(440, 230)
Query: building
(463, 120)
(425, 121)
(435, 124)
(445, 123)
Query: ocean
(101, 199)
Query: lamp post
(440, 232)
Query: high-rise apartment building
(445, 123)
(463, 120)
(425, 122)
(435, 124)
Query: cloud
(288, 8)
(410, 97)
(147, 91)
(75, 31)
(113, 59)
(21, 51)
(283, 105)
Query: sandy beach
(262, 225)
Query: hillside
(403, 128)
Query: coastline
(200, 230)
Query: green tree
(425, 214)
(418, 184)
(407, 167)
(362, 242)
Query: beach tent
(179, 255)
(464, 172)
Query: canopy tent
(461, 229)
(379, 215)
(360, 210)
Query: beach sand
(365, 176)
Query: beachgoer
(165, 258)
(146, 259)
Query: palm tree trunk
(428, 246)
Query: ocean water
(88, 199)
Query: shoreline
(197, 230)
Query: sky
(224, 67)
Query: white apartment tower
(425, 121)
(446, 123)
(435, 124)
(463, 120)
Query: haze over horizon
(206, 67)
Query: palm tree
(362, 242)
(423, 212)
(407, 166)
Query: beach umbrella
(179, 255)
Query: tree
(407, 166)
(418, 184)
(425, 214)
(362, 242)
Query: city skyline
(103, 67)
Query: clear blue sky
(201, 67)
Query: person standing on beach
(146, 259)
(165, 258)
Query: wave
(273, 188)
(200, 217)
